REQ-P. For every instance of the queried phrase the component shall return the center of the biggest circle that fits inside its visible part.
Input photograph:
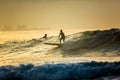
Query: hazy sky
(60, 14)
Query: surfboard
(52, 43)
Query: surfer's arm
(59, 35)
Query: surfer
(61, 36)
(45, 36)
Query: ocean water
(30, 34)
(74, 71)
(24, 56)
(18, 47)
(23, 47)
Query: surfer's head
(61, 30)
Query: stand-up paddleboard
(52, 43)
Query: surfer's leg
(60, 40)
(63, 39)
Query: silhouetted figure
(61, 36)
(45, 36)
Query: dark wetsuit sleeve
(59, 35)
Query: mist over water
(23, 46)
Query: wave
(105, 41)
(95, 40)
(76, 71)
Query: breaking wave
(98, 42)
(76, 71)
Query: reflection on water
(18, 53)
